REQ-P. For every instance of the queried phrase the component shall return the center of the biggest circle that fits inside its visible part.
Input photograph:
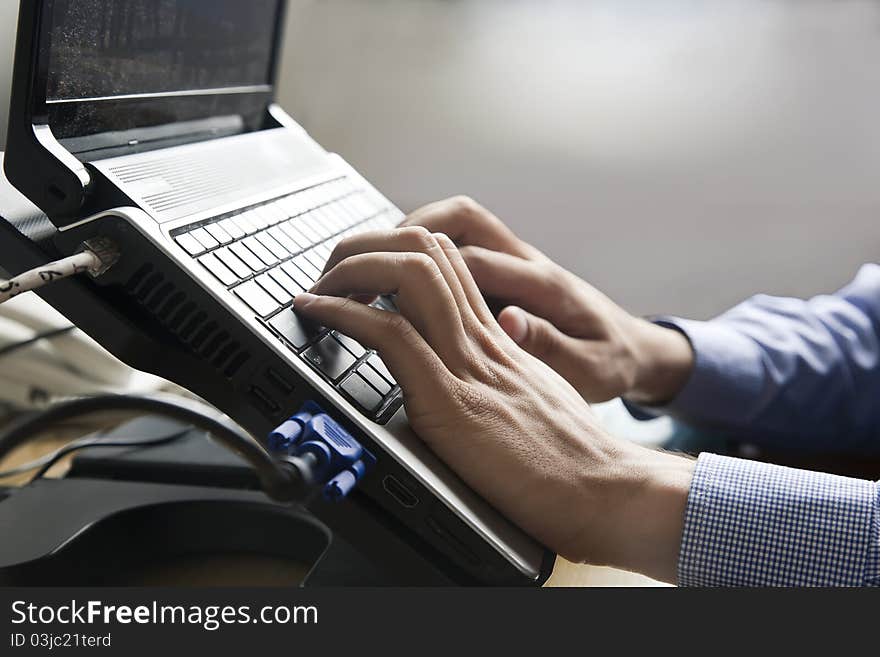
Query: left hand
(600, 348)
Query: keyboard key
(297, 274)
(284, 239)
(330, 357)
(289, 227)
(278, 212)
(377, 364)
(303, 226)
(362, 393)
(310, 270)
(232, 261)
(386, 303)
(246, 255)
(354, 347)
(308, 199)
(344, 210)
(258, 218)
(222, 272)
(272, 244)
(245, 224)
(342, 219)
(285, 281)
(257, 298)
(335, 220)
(205, 238)
(292, 205)
(375, 379)
(316, 221)
(278, 293)
(317, 261)
(232, 228)
(347, 207)
(296, 331)
(323, 251)
(190, 244)
(332, 219)
(219, 233)
(260, 251)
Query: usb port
(399, 492)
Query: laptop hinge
(138, 140)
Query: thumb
(534, 334)
(576, 360)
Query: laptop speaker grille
(190, 324)
(189, 179)
(169, 183)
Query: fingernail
(515, 323)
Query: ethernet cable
(96, 257)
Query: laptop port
(279, 382)
(399, 492)
(264, 401)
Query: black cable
(79, 443)
(99, 442)
(15, 346)
(287, 480)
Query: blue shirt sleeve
(756, 524)
(789, 372)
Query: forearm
(787, 372)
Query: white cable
(97, 256)
(41, 361)
(49, 273)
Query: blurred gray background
(679, 154)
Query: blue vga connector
(337, 460)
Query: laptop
(154, 123)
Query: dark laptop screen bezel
(131, 113)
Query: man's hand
(509, 425)
(602, 350)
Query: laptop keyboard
(268, 254)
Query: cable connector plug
(337, 460)
(95, 257)
(105, 253)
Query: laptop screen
(117, 67)
(106, 49)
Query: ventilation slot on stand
(186, 321)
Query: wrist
(645, 512)
(662, 363)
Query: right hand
(511, 427)
(602, 350)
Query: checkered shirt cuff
(756, 524)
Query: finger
(471, 290)
(540, 338)
(413, 239)
(422, 294)
(410, 360)
(468, 223)
(512, 280)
